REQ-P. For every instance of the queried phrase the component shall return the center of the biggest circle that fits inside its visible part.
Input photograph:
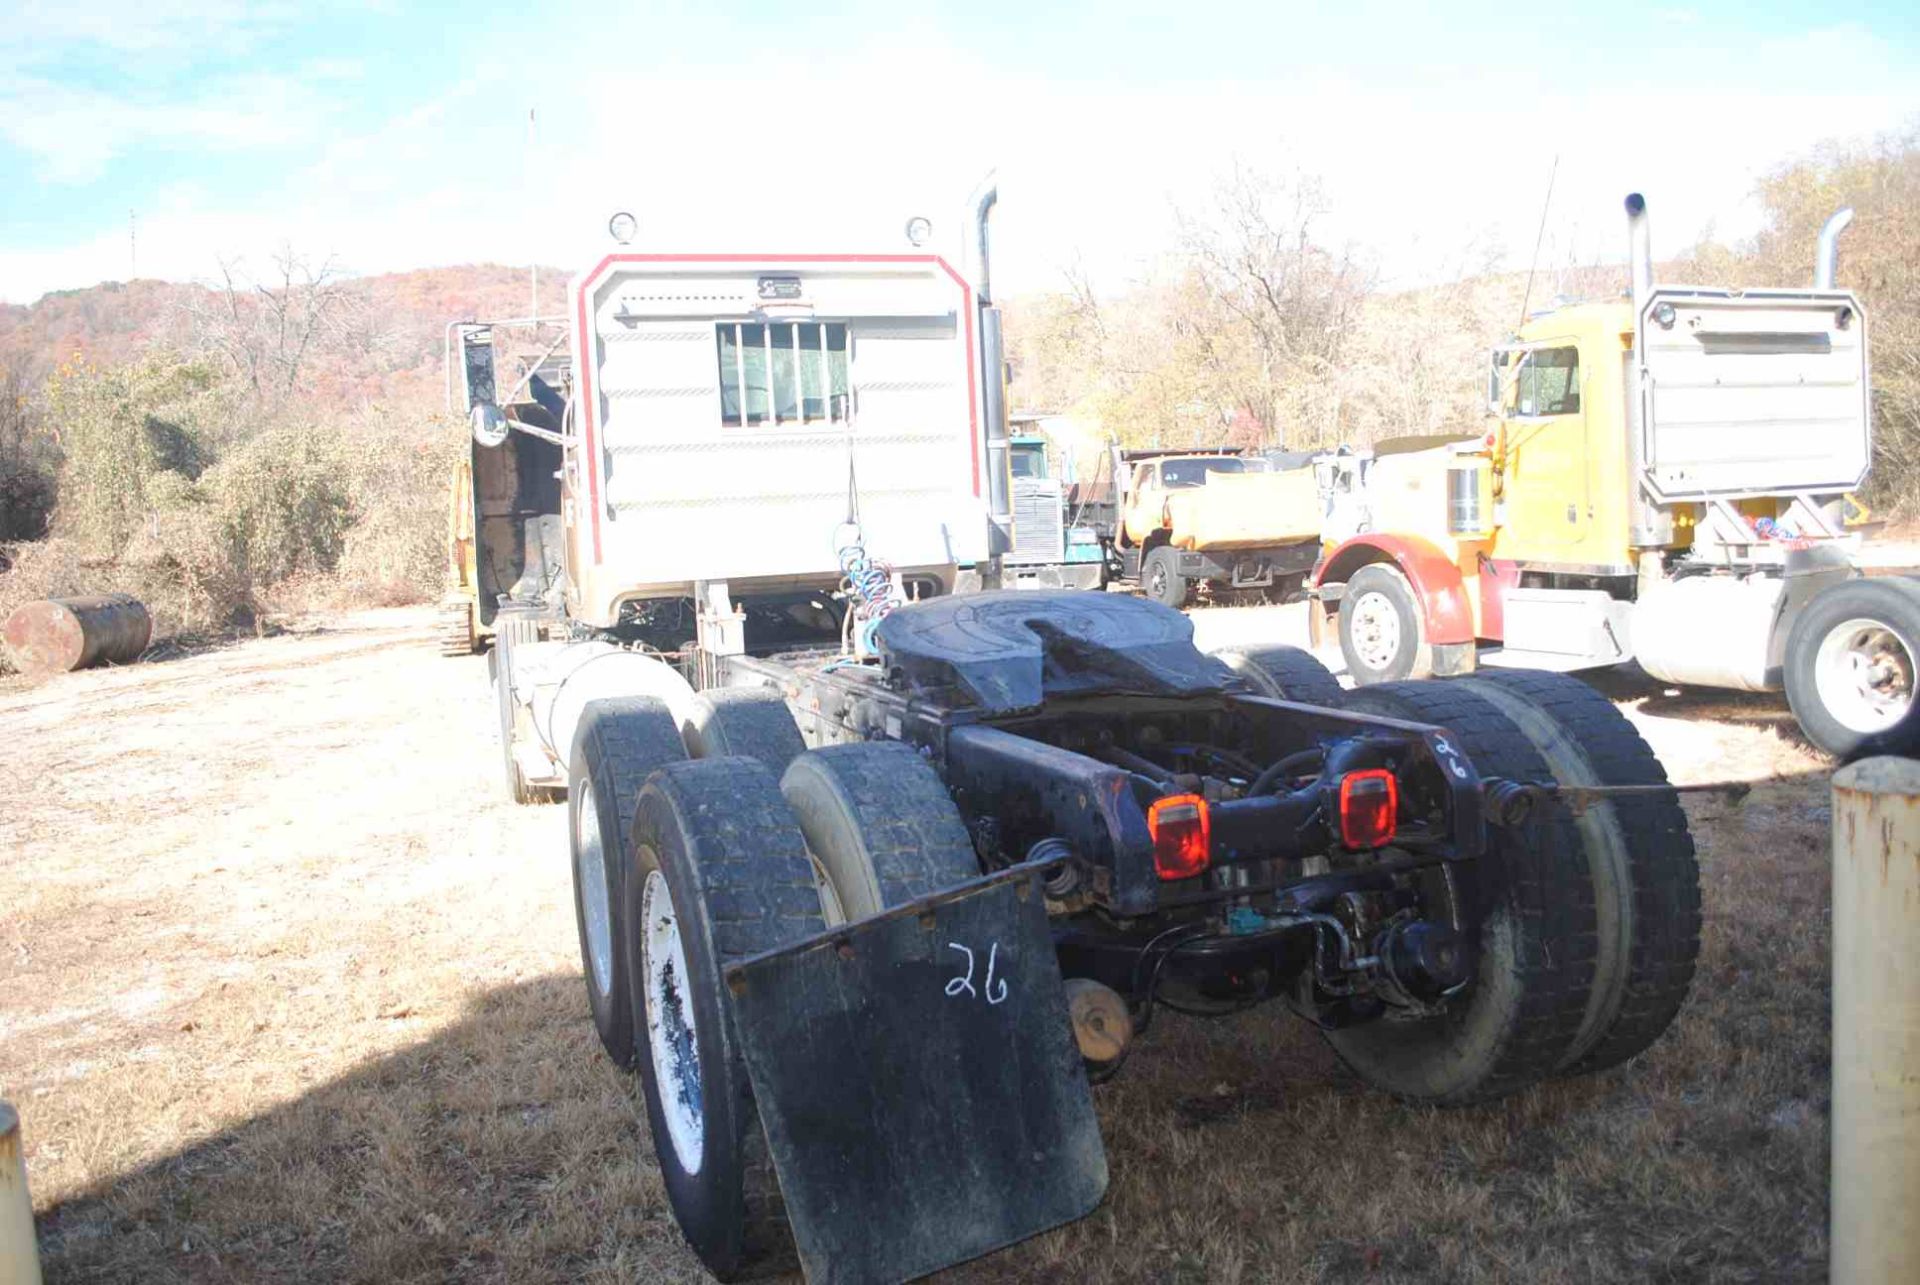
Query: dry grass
(293, 995)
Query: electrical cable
(867, 580)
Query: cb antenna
(1526, 300)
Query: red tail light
(1182, 836)
(1369, 808)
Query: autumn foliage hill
(113, 323)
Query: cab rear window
(789, 372)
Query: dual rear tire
(1588, 925)
(715, 860)
(1639, 852)
(1527, 905)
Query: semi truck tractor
(1050, 548)
(1663, 483)
(875, 883)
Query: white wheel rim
(596, 902)
(1864, 675)
(1376, 630)
(672, 1041)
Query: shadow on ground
(506, 1147)
(1764, 710)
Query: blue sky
(390, 136)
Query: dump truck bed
(1246, 511)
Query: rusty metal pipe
(56, 635)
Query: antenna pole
(534, 311)
(1527, 300)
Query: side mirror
(489, 425)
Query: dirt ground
(291, 992)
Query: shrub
(396, 551)
(282, 502)
(119, 427)
(26, 463)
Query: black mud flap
(919, 1083)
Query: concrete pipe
(1876, 1022)
(60, 634)
(19, 1257)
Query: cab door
(1143, 503)
(1549, 472)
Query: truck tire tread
(910, 837)
(753, 880)
(1894, 601)
(622, 740)
(1662, 866)
(744, 722)
(1286, 673)
(1547, 892)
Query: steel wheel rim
(596, 900)
(1375, 630)
(1157, 581)
(1864, 674)
(672, 1031)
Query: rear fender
(1435, 580)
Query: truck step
(1556, 662)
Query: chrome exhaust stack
(1828, 253)
(993, 370)
(1640, 243)
(984, 199)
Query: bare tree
(1263, 269)
(270, 332)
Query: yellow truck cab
(1661, 481)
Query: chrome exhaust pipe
(993, 365)
(1640, 248)
(983, 203)
(1828, 253)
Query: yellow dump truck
(1225, 520)
(1663, 481)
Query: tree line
(1256, 330)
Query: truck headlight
(622, 227)
(1664, 315)
(919, 230)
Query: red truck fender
(1435, 579)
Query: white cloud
(146, 27)
(774, 152)
(74, 135)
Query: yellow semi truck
(1663, 482)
